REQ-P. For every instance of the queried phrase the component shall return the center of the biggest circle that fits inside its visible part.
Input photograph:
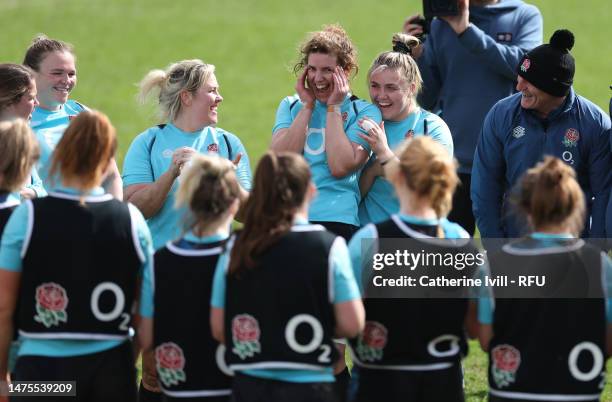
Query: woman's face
(390, 93)
(23, 109)
(55, 79)
(205, 101)
(319, 74)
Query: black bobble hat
(551, 67)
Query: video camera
(435, 8)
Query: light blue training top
(337, 198)
(381, 201)
(11, 259)
(150, 156)
(49, 127)
(345, 289)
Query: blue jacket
(514, 139)
(465, 75)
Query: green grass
(253, 44)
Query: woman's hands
(306, 94)
(341, 87)
(180, 157)
(377, 138)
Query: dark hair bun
(563, 40)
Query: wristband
(309, 105)
(333, 108)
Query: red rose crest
(506, 360)
(525, 66)
(170, 362)
(213, 148)
(409, 134)
(51, 303)
(245, 335)
(344, 116)
(372, 341)
(571, 137)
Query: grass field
(253, 44)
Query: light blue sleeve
(607, 267)
(345, 286)
(13, 238)
(137, 163)
(283, 115)
(358, 258)
(439, 132)
(243, 170)
(486, 303)
(354, 130)
(36, 184)
(146, 274)
(217, 298)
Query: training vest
(80, 267)
(550, 347)
(413, 334)
(190, 363)
(280, 314)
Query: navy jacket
(514, 139)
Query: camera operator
(468, 63)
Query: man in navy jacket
(546, 118)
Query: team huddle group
(98, 268)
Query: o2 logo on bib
(315, 141)
(315, 342)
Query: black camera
(435, 8)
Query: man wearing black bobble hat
(546, 117)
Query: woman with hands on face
(320, 122)
(394, 82)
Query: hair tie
(401, 47)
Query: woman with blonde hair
(553, 346)
(184, 271)
(286, 290)
(320, 122)
(188, 97)
(17, 101)
(394, 81)
(20, 152)
(412, 345)
(73, 260)
(54, 64)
